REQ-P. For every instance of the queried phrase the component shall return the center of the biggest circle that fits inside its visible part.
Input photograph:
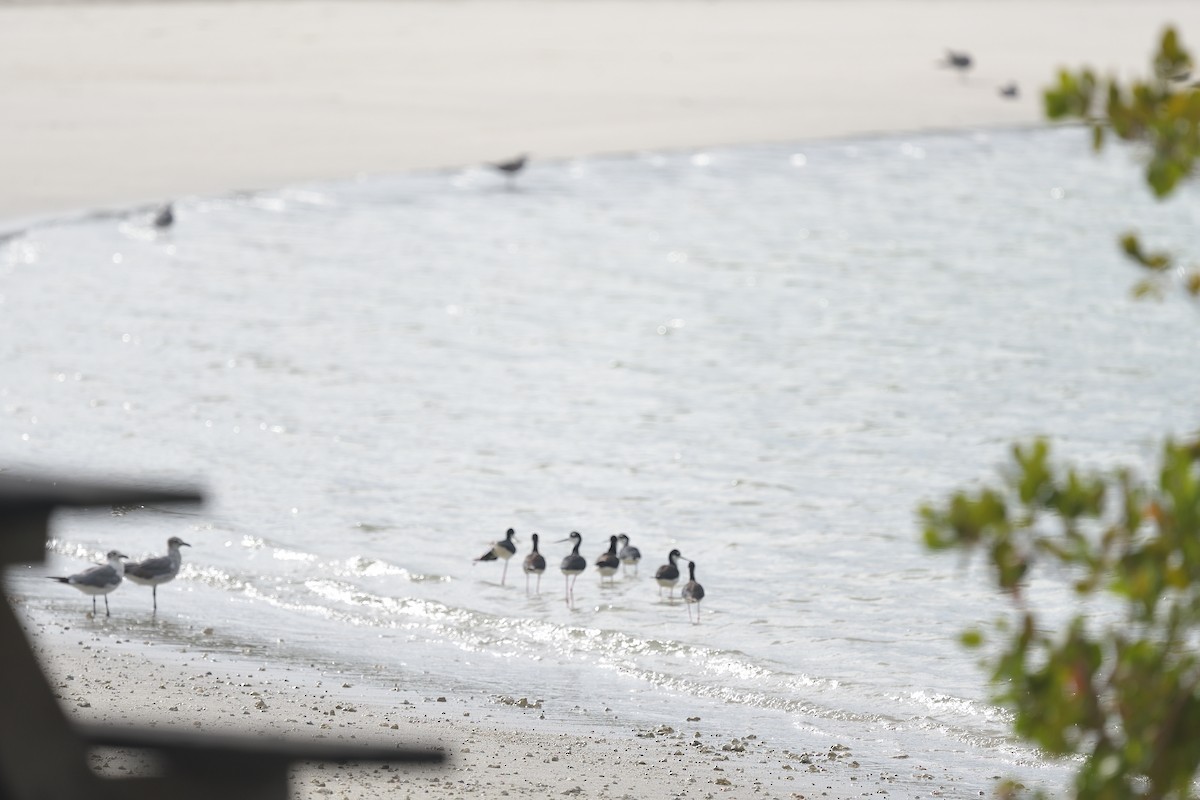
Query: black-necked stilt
(628, 553)
(160, 569)
(164, 217)
(511, 167)
(535, 564)
(573, 565)
(668, 574)
(692, 592)
(956, 60)
(608, 563)
(503, 549)
(101, 579)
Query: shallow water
(763, 356)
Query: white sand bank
(115, 104)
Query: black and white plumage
(573, 565)
(535, 564)
(98, 580)
(629, 555)
(692, 592)
(159, 569)
(668, 574)
(503, 549)
(608, 563)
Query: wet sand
(106, 671)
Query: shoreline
(120, 106)
(518, 746)
(125, 105)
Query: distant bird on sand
(692, 592)
(668, 574)
(160, 569)
(505, 549)
(535, 564)
(98, 580)
(1010, 91)
(608, 563)
(573, 565)
(511, 167)
(165, 217)
(628, 554)
(957, 60)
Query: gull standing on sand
(692, 592)
(668, 574)
(159, 569)
(98, 580)
(573, 565)
(628, 553)
(504, 549)
(608, 563)
(535, 564)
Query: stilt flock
(103, 579)
(620, 552)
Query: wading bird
(511, 167)
(164, 217)
(629, 555)
(608, 563)
(668, 575)
(692, 592)
(573, 565)
(503, 549)
(535, 564)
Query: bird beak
(122, 555)
(557, 541)
(184, 544)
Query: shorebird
(959, 61)
(668, 574)
(101, 579)
(160, 569)
(511, 167)
(692, 592)
(608, 563)
(628, 553)
(1010, 90)
(165, 217)
(573, 565)
(535, 564)
(505, 549)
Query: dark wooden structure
(43, 754)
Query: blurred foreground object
(1161, 117)
(43, 755)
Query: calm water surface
(763, 356)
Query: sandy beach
(518, 746)
(112, 106)
(109, 105)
